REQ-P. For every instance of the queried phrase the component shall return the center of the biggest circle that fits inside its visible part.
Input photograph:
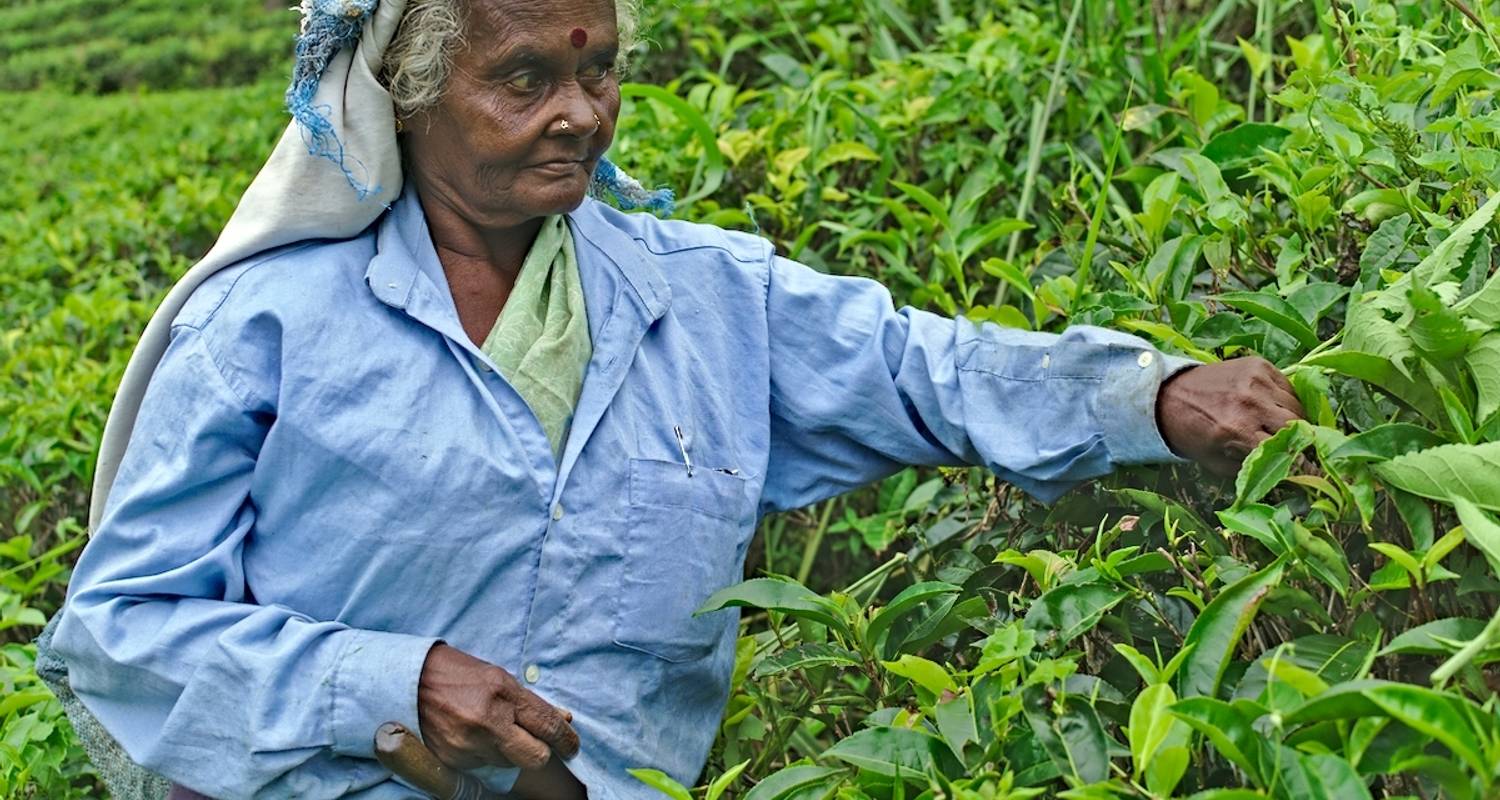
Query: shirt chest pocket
(684, 540)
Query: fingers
(1277, 389)
(520, 748)
(548, 723)
(1286, 400)
(473, 713)
(1278, 417)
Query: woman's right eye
(525, 82)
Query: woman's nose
(574, 109)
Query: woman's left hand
(1216, 414)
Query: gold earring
(598, 123)
(400, 126)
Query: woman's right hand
(475, 714)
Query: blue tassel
(328, 26)
(628, 193)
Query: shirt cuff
(375, 682)
(1127, 405)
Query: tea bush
(1313, 182)
(108, 46)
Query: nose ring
(565, 126)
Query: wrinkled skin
(489, 162)
(1216, 414)
(475, 714)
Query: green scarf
(541, 340)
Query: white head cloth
(297, 196)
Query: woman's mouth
(561, 167)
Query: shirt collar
(404, 252)
(628, 257)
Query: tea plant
(1313, 182)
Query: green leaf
(926, 674)
(1382, 250)
(1471, 472)
(1451, 720)
(1043, 566)
(909, 598)
(1436, 330)
(1242, 143)
(1437, 638)
(924, 198)
(1462, 66)
(805, 656)
(1144, 666)
(1446, 257)
(1344, 141)
(1263, 523)
(1151, 723)
(1275, 312)
(1483, 305)
(712, 166)
(955, 721)
(787, 597)
(1321, 777)
(1229, 732)
(895, 752)
(972, 239)
(1367, 330)
(1006, 271)
(781, 784)
(1218, 629)
(721, 783)
(1172, 267)
(1270, 462)
(839, 152)
(1395, 553)
(1480, 530)
(1074, 739)
(1070, 610)
(662, 782)
(1483, 359)
(1385, 442)
(1382, 372)
(1224, 210)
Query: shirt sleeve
(859, 390)
(166, 644)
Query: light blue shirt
(328, 476)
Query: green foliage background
(1309, 181)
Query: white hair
(415, 66)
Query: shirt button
(481, 366)
(557, 512)
(1145, 359)
(533, 673)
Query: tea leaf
(1217, 631)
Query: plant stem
(1469, 652)
(1040, 114)
(810, 551)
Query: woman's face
(494, 148)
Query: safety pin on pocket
(682, 447)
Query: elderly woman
(470, 458)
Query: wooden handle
(401, 752)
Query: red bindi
(579, 37)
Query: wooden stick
(401, 752)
